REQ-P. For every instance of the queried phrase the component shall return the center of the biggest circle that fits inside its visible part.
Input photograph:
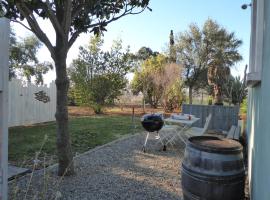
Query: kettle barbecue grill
(151, 123)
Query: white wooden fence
(29, 104)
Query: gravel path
(118, 170)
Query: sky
(152, 29)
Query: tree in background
(217, 76)
(138, 58)
(69, 19)
(98, 77)
(23, 59)
(144, 53)
(191, 55)
(90, 56)
(143, 80)
(235, 89)
(222, 53)
(117, 63)
(169, 81)
(175, 96)
(159, 81)
(207, 56)
(172, 52)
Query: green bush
(97, 108)
(210, 100)
(243, 106)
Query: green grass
(86, 133)
(244, 107)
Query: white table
(184, 124)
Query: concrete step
(14, 171)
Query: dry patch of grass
(75, 111)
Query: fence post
(133, 114)
(4, 56)
(133, 120)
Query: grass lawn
(86, 133)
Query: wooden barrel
(213, 169)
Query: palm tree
(222, 55)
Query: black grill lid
(152, 122)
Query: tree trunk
(151, 101)
(202, 98)
(190, 94)
(218, 95)
(65, 157)
(143, 101)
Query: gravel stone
(116, 171)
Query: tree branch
(16, 21)
(34, 26)
(128, 11)
(67, 17)
(73, 38)
(77, 11)
(53, 19)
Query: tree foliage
(82, 15)
(172, 52)
(159, 82)
(140, 56)
(69, 18)
(171, 85)
(145, 53)
(244, 107)
(143, 80)
(222, 54)
(23, 59)
(207, 52)
(191, 55)
(98, 77)
(235, 90)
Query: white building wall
(259, 121)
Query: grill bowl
(152, 122)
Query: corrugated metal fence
(223, 117)
(31, 104)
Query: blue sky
(152, 29)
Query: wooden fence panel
(223, 117)
(30, 104)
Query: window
(256, 43)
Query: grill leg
(160, 139)
(164, 147)
(145, 142)
(157, 136)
